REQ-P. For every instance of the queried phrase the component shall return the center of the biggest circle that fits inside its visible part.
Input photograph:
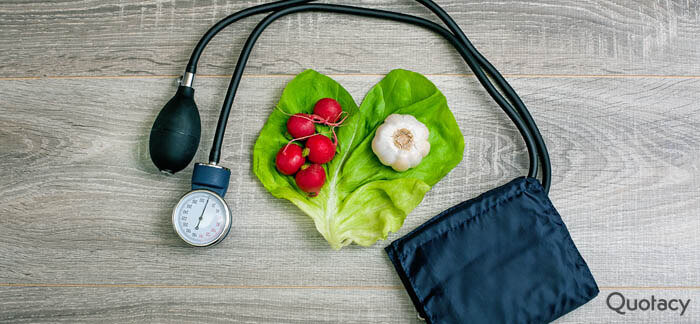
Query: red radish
(320, 149)
(289, 159)
(311, 179)
(300, 125)
(328, 109)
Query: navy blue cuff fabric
(503, 257)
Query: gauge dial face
(202, 218)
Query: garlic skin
(401, 142)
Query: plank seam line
(96, 285)
(217, 76)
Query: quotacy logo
(621, 305)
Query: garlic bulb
(401, 142)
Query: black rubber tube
(230, 19)
(245, 53)
(473, 64)
(503, 84)
(500, 81)
(520, 109)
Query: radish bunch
(319, 149)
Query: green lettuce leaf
(362, 200)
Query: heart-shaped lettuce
(362, 200)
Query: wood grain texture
(84, 204)
(85, 233)
(154, 305)
(155, 37)
(198, 305)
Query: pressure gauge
(202, 218)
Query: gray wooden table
(85, 234)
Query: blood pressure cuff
(503, 257)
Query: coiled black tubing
(513, 106)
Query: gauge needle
(202, 215)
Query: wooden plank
(197, 305)
(202, 305)
(82, 203)
(155, 37)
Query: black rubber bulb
(176, 132)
